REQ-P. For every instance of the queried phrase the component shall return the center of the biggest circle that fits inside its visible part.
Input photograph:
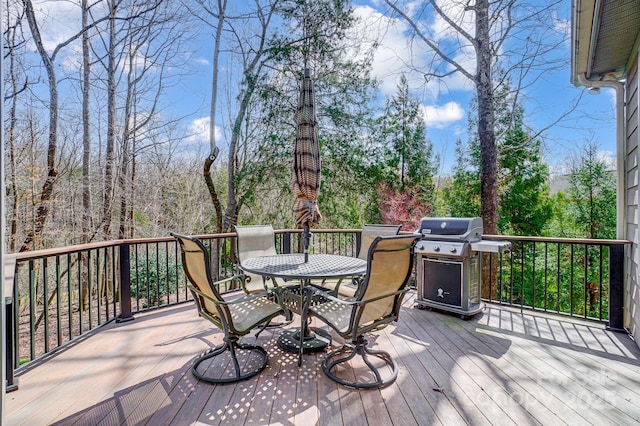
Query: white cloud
(398, 53)
(395, 52)
(438, 117)
(57, 20)
(201, 61)
(456, 11)
(199, 131)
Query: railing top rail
(38, 254)
(603, 242)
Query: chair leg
(230, 345)
(348, 352)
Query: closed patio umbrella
(306, 162)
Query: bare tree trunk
(215, 199)
(87, 222)
(42, 211)
(214, 150)
(13, 179)
(487, 137)
(87, 207)
(486, 118)
(111, 125)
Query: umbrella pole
(306, 235)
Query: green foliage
(557, 277)
(524, 195)
(523, 203)
(587, 209)
(461, 194)
(408, 155)
(405, 165)
(343, 89)
(561, 223)
(593, 195)
(152, 280)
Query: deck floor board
(503, 366)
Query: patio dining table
(294, 267)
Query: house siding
(632, 108)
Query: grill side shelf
(488, 246)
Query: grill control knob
(452, 250)
(436, 248)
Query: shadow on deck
(501, 367)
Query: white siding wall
(632, 292)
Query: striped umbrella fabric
(306, 158)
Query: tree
(592, 192)
(17, 82)
(482, 32)
(219, 14)
(524, 195)
(461, 194)
(87, 205)
(524, 205)
(272, 56)
(52, 170)
(408, 154)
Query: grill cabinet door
(442, 281)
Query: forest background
(97, 150)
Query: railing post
(286, 243)
(125, 284)
(10, 295)
(616, 288)
(10, 354)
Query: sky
(444, 102)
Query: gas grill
(449, 263)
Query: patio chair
(235, 313)
(254, 241)
(348, 288)
(370, 232)
(376, 304)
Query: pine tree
(592, 192)
(408, 166)
(461, 194)
(524, 207)
(524, 194)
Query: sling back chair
(376, 304)
(348, 287)
(255, 241)
(235, 313)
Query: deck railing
(59, 295)
(576, 277)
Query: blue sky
(445, 103)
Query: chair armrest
(243, 299)
(315, 291)
(384, 296)
(240, 272)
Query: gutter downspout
(621, 155)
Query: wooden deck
(500, 367)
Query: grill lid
(451, 228)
